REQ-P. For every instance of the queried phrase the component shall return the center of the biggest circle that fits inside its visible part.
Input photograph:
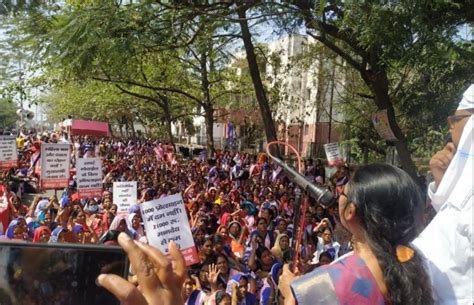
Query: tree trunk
(207, 105)
(331, 100)
(168, 120)
(127, 127)
(209, 120)
(378, 83)
(319, 105)
(262, 100)
(376, 79)
(132, 126)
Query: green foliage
(109, 60)
(8, 115)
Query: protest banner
(165, 219)
(382, 126)
(333, 154)
(125, 195)
(89, 178)
(8, 152)
(55, 161)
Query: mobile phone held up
(34, 273)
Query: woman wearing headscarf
(134, 226)
(58, 235)
(119, 224)
(42, 234)
(78, 231)
(249, 213)
(269, 294)
(281, 247)
(41, 209)
(236, 234)
(16, 230)
(238, 287)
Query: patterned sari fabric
(346, 281)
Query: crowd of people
(240, 210)
(366, 249)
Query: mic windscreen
(327, 199)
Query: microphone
(323, 196)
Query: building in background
(309, 92)
(303, 97)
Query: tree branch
(221, 94)
(141, 96)
(367, 96)
(369, 144)
(353, 62)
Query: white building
(309, 91)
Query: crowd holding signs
(211, 207)
(229, 216)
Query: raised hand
(440, 161)
(159, 280)
(284, 285)
(213, 276)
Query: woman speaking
(381, 206)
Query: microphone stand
(298, 227)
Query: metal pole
(296, 227)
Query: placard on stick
(333, 154)
(382, 125)
(55, 161)
(8, 152)
(89, 178)
(125, 195)
(165, 220)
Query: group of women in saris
(87, 225)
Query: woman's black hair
(220, 296)
(218, 239)
(327, 255)
(223, 256)
(260, 250)
(390, 207)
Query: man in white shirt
(446, 242)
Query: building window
(306, 129)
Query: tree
(418, 32)
(232, 13)
(140, 53)
(265, 110)
(8, 115)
